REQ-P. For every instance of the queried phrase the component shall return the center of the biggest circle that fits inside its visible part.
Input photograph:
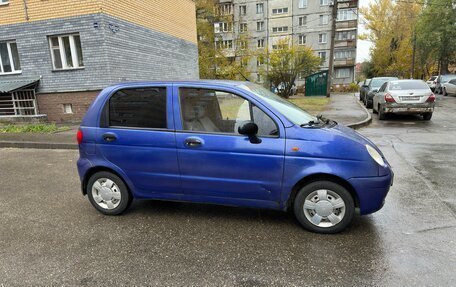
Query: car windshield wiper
(321, 121)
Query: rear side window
(138, 108)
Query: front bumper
(372, 191)
(396, 108)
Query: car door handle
(193, 142)
(109, 137)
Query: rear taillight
(389, 98)
(79, 136)
(431, 98)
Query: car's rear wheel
(427, 116)
(381, 113)
(324, 207)
(108, 193)
(444, 93)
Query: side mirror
(375, 91)
(249, 129)
(365, 86)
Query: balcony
(349, 62)
(346, 24)
(343, 4)
(345, 43)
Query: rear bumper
(372, 191)
(408, 108)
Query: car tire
(324, 207)
(381, 113)
(108, 193)
(427, 116)
(444, 93)
(374, 111)
(368, 104)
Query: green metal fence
(316, 84)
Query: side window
(221, 112)
(138, 108)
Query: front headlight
(375, 155)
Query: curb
(37, 145)
(364, 122)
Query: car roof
(228, 83)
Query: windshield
(432, 78)
(378, 82)
(292, 112)
(407, 85)
(446, 78)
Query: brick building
(56, 55)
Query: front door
(138, 138)
(214, 159)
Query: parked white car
(449, 88)
(404, 97)
(431, 82)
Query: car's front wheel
(444, 92)
(324, 207)
(108, 193)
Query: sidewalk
(343, 108)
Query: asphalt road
(51, 236)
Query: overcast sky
(362, 51)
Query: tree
(286, 63)
(436, 35)
(217, 59)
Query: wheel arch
(321, 177)
(96, 169)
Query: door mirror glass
(249, 129)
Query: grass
(313, 105)
(31, 128)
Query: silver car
(404, 97)
(449, 88)
(431, 82)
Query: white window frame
(302, 21)
(324, 2)
(243, 27)
(344, 54)
(243, 10)
(74, 53)
(350, 35)
(259, 8)
(223, 27)
(322, 38)
(260, 25)
(224, 44)
(260, 43)
(280, 11)
(11, 60)
(302, 4)
(322, 55)
(302, 40)
(4, 2)
(340, 75)
(281, 29)
(346, 15)
(324, 19)
(226, 9)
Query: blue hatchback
(230, 143)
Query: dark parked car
(373, 88)
(226, 142)
(364, 89)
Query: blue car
(229, 143)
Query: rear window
(138, 108)
(408, 85)
(375, 83)
(433, 78)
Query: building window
(302, 40)
(260, 61)
(242, 44)
(223, 27)
(260, 43)
(322, 38)
(260, 26)
(302, 20)
(67, 108)
(324, 2)
(259, 8)
(302, 4)
(280, 29)
(280, 11)
(343, 73)
(9, 58)
(346, 15)
(224, 44)
(243, 10)
(226, 9)
(259, 78)
(66, 52)
(346, 35)
(4, 2)
(138, 108)
(324, 19)
(344, 54)
(243, 27)
(322, 56)
(280, 47)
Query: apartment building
(56, 55)
(302, 22)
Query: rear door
(215, 161)
(137, 137)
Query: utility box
(316, 84)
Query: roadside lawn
(313, 105)
(31, 128)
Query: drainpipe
(26, 10)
